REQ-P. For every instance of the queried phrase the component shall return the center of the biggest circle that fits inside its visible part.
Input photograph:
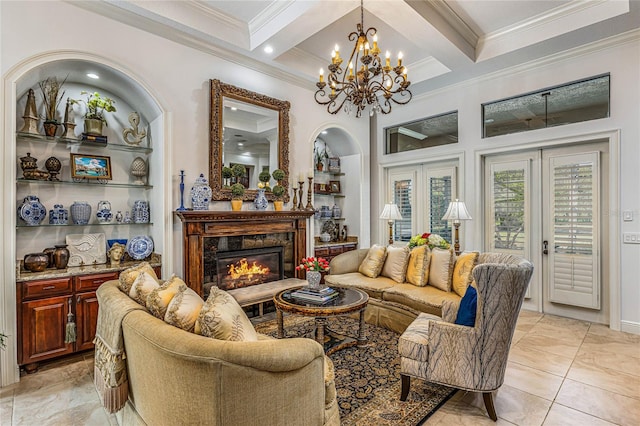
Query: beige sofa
(177, 377)
(392, 305)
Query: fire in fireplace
(243, 268)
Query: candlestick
(181, 208)
(295, 199)
(321, 75)
(300, 188)
(309, 206)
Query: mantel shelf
(28, 137)
(70, 225)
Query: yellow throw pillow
(441, 268)
(373, 262)
(142, 287)
(159, 298)
(222, 318)
(184, 308)
(395, 265)
(462, 276)
(418, 267)
(128, 276)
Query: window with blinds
(439, 199)
(402, 197)
(509, 209)
(573, 209)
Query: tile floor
(560, 372)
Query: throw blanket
(110, 370)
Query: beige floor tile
(617, 336)
(609, 406)
(6, 406)
(577, 326)
(545, 361)
(621, 345)
(573, 335)
(517, 335)
(536, 382)
(612, 360)
(520, 407)
(554, 345)
(587, 372)
(460, 412)
(527, 319)
(559, 415)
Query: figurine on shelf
(30, 115)
(116, 252)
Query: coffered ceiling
(443, 41)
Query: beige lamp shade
(456, 212)
(391, 212)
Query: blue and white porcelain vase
(200, 194)
(261, 201)
(104, 213)
(59, 215)
(140, 211)
(32, 211)
(80, 212)
(337, 211)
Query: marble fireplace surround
(202, 229)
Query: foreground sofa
(177, 377)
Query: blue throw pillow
(467, 311)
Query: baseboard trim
(630, 327)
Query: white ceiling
(443, 41)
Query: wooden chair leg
(488, 403)
(406, 384)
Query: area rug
(368, 378)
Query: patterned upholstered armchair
(469, 358)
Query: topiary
(264, 176)
(278, 174)
(278, 191)
(237, 191)
(238, 170)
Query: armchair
(469, 358)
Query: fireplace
(244, 268)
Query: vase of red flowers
(313, 267)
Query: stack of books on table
(321, 295)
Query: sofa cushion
(372, 286)
(159, 298)
(144, 284)
(222, 318)
(129, 275)
(184, 308)
(462, 275)
(441, 268)
(468, 306)
(426, 299)
(395, 265)
(418, 266)
(372, 264)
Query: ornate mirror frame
(219, 91)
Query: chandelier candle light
(371, 83)
(391, 213)
(456, 212)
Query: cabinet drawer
(45, 288)
(334, 251)
(322, 251)
(92, 282)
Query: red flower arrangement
(319, 264)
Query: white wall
(622, 60)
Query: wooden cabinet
(332, 250)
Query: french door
(546, 205)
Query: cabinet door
(86, 320)
(43, 329)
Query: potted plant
(320, 157)
(278, 192)
(97, 105)
(264, 177)
(278, 175)
(51, 98)
(238, 171)
(237, 192)
(227, 174)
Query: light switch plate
(631, 237)
(627, 215)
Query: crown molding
(216, 16)
(452, 18)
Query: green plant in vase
(97, 106)
(238, 171)
(227, 174)
(51, 98)
(237, 192)
(278, 192)
(278, 175)
(264, 177)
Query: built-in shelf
(330, 194)
(330, 218)
(24, 226)
(28, 137)
(330, 173)
(23, 181)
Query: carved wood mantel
(197, 225)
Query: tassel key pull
(70, 335)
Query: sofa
(395, 305)
(179, 377)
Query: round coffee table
(349, 300)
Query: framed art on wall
(334, 186)
(85, 166)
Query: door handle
(545, 247)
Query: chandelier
(367, 81)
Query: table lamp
(391, 213)
(456, 212)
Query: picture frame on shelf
(334, 186)
(87, 166)
(321, 188)
(334, 164)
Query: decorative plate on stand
(329, 227)
(140, 247)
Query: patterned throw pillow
(441, 268)
(159, 298)
(222, 318)
(395, 265)
(128, 276)
(373, 262)
(462, 276)
(184, 308)
(418, 267)
(142, 286)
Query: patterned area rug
(368, 378)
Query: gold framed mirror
(246, 128)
